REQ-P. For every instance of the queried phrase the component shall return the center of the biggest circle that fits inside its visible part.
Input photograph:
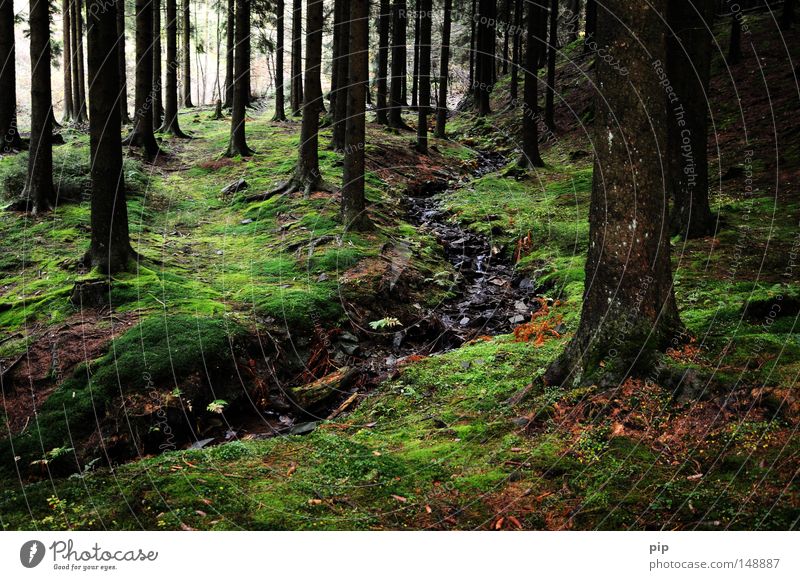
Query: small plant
(388, 322)
(217, 406)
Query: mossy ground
(459, 440)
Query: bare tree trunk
(280, 113)
(110, 247)
(66, 60)
(549, 97)
(530, 130)
(297, 57)
(398, 79)
(516, 52)
(123, 73)
(171, 124)
(506, 22)
(444, 61)
(9, 132)
(735, 46)
(158, 102)
(384, 18)
(590, 26)
(342, 57)
(424, 10)
(80, 111)
(230, 33)
(629, 311)
(472, 45)
(415, 64)
(187, 55)
(238, 143)
(142, 132)
(485, 58)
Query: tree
(66, 63)
(123, 73)
(424, 10)
(398, 79)
(549, 97)
(590, 26)
(629, 311)
(187, 55)
(8, 82)
(472, 44)
(158, 101)
(574, 13)
(415, 64)
(444, 59)
(787, 15)
(110, 247)
(171, 124)
(340, 77)
(384, 18)
(238, 143)
(689, 42)
(142, 133)
(516, 54)
(530, 129)
(735, 46)
(353, 202)
(280, 112)
(230, 28)
(506, 22)
(39, 194)
(297, 57)
(485, 61)
(78, 74)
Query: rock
(246, 221)
(464, 321)
(322, 277)
(303, 428)
(202, 443)
(518, 319)
(578, 154)
(520, 306)
(526, 284)
(235, 187)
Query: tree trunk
(398, 65)
(787, 15)
(590, 26)
(574, 18)
(187, 55)
(297, 57)
(158, 101)
(444, 60)
(689, 69)
(342, 57)
(424, 10)
(123, 73)
(629, 311)
(506, 22)
(472, 45)
(280, 113)
(142, 132)
(66, 62)
(384, 18)
(415, 64)
(8, 82)
(171, 124)
(78, 73)
(485, 58)
(73, 37)
(735, 46)
(353, 202)
(549, 104)
(238, 142)
(110, 247)
(516, 51)
(230, 32)
(39, 191)
(530, 117)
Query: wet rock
(518, 319)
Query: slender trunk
(39, 191)
(142, 132)
(66, 60)
(629, 311)
(735, 47)
(308, 163)
(171, 124)
(415, 64)
(280, 113)
(516, 52)
(158, 101)
(398, 65)
(689, 69)
(549, 104)
(384, 18)
(241, 71)
(590, 26)
(8, 82)
(297, 57)
(230, 27)
(530, 117)
(80, 112)
(353, 201)
(425, 9)
(472, 44)
(485, 58)
(73, 36)
(110, 247)
(574, 18)
(342, 57)
(123, 73)
(506, 22)
(444, 61)
(187, 55)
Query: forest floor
(321, 376)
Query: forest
(399, 265)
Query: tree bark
(415, 64)
(384, 18)
(398, 65)
(735, 46)
(506, 22)
(574, 18)
(123, 73)
(424, 10)
(689, 43)
(186, 53)
(530, 117)
(39, 192)
(171, 124)
(341, 79)
(516, 51)
(78, 73)
(158, 101)
(230, 33)
(484, 71)
(590, 25)
(66, 58)
(238, 142)
(549, 97)
(629, 311)
(142, 133)
(9, 132)
(472, 45)
(444, 61)
(280, 112)
(110, 247)
(353, 201)
(297, 58)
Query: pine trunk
(735, 46)
(444, 60)
(78, 73)
(297, 57)
(590, 25)
(308, 164)
(241, 71)
(384, 19)
(158, 101)
(280, 112)
(549, 104)
(424, 11)
(342, 57)
(516, 54)
(142, 132)
(66, 62)
(171, 124)
(123, 73)
(398, 65)
(187, 55)
(8, 82)
(415, 64)
(530, 129)
(230, 33)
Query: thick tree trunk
(297, 57)
(230, 33)
(398, 65)
(549, 97)
(444, 60)
(415, 64)
(280, 112)
(353, 202)
(629, 311)
(8, 82)
(123, 73)
(110, 248)
(158, 101)
(590, 25)
(342, 57)
(66, 62)
(384, 18)
(238, 142)
(78, 73)
(735, 46)
(516, 51)
(186, 54)
(689, 69)
(39, 191)
(530, 116)
(171, 124)
(142, 132)
(424, 9)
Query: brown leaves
(541, 325)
